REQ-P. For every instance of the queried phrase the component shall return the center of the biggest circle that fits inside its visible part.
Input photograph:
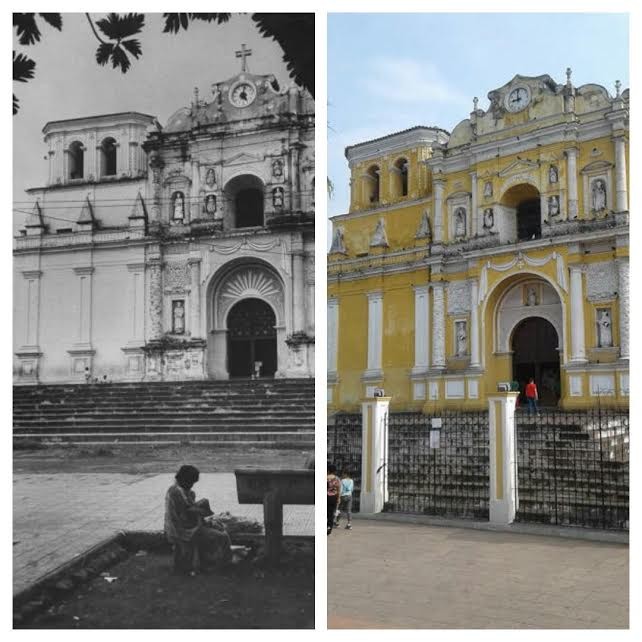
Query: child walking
(345, 500)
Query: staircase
(268, 412)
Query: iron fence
(344, 449)
(439, 465)
(573, 467)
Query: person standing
(532, 396)
(345, 499)
(334, 488)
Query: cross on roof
(244, 53)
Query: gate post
(501, 427)
(374, 454)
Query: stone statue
(460, 223)
(379, 238)
(489, 218)
(553, 175)
(210, 177)
(598, 189)
(424, 231)
(337, 241)
(277, 168)
(461, 338)
(531, 296)
(210, 204)
(488, 189)
(604, 332)
(277, 198)
(553, 205)
(179, 206)
(178, 317)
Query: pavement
(390, 575)
(58, 516)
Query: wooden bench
(273, 488)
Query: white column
(474, 324)
(623, 296)
(578, 349)
(298, 294)
(422, 328)
(137, 302)
(333, 334)
(195, 296)
(374, 468)
(83, 335)
(473, 227)
(32, 307)
(621, 195)
(438, 325)
(375, 331)
(571, 181)
(438, 203)
(503, 491)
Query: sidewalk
(61, 515)
(391, 575)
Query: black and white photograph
(163, 320)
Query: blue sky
(388, 72)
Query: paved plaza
(58, 516)
(400, 575)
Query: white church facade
(173, 253)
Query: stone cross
(568, 75)
(244, 53)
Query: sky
(389, 72)
(70, 84)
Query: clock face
(518, 99)
(242, 94)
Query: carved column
(333, 334)
(154, 270)
(475, 361)
(422, 328)
(623, 295)
(298, 291)
(137, 299)
(83, 335)
(156, 164)
(474, 229)
(571, 181)
(621, 195)
(438, 325)
(578, 349)
(438, 199)
(32, 307)
(375, 331)
(195, 296)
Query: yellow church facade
(487, 255)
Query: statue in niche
(598, 194)
(179, 206)
(553, 205)
(489, 219)
(210, 177)
(532, 298)
(461, 338)
(277, 198)
(210, 205)
(178, 317)
(553, 175)
(277, 168)
(488, 189)
(604, 331)
(424, 231)
(379, 238)
(337, 241)
(460, 223)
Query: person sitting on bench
(186, 529)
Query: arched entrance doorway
(251, 337)
(535, 348)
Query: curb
(543, 530)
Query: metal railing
(344, 449)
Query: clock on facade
(518, 99)
(242, 94)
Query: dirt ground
(141, 459)
(146, 594)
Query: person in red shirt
(532, 396)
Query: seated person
(186, 529)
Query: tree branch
(91, 24)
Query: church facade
(177, 252)
(493, 253)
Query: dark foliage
(27, 29)
(119, 27)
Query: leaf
(174, 22)
(219, 18)
(103, 52)
(117, 27)
(26, 28)
(119, 59)
(23, 67)
(52, 19)
(133, 46)
(15, 105)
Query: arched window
(108, 157)
(245, 197)
(524, 200)
(372, 184)
(76, 160)
(401, 177)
